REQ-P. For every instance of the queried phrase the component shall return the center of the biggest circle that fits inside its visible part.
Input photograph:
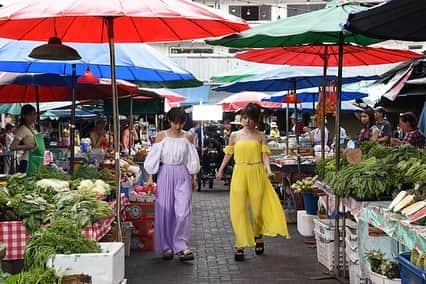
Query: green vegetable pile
(81, 206)
(381, 265)
(382, 172)
(62, 236)
(34, 276)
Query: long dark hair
(370, 114)
(26, 109)
(410, 118)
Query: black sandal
(260, 246)
(185, 255)
(239, 255)
(168, 254)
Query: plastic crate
(325, 255)
(324, 229)
(410, 274)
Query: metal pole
(287, 125)
(337, 199)
(322, 114)
(131, 124)
(110, 24)
(72, 123)
(38, 107)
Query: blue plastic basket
(311, 203)
(410, 274)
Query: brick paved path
(284, 261)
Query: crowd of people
(375, 127)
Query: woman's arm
(226, 158)
(16, 146)
(375, 135)
(265, 157)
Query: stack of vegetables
(411, 205)
(129, 171)
(51, 195)
(61, 236)
(382, 173)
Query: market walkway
(285, 261)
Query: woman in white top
(174, 157)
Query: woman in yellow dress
(250, 184)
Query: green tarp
(140, 106)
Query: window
(191, 50)
(252, 12)
(298, 9)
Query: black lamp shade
(54, 50)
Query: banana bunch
(305, 185)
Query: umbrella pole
(131, 124)
(72, 124)
(38, 108)
(322, 114)
(286, 128)
(116, 127)
(337, 153)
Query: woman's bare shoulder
(188, 135)
(160, 136)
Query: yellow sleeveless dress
(251, 185)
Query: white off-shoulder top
(172, 151)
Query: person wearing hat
(384, 127)
(275, 132)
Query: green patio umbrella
(323, 26)
(15, 108)
(317, 27)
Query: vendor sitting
(275, 132)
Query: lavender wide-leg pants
(173, 208)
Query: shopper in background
(128, 138)
(196, 132)
(174, 158)
(275, 132)
(29, 140)
(315, 134)
(369, 132)
(413, 136)
(383, 126)
(250, 184)
(98, 136)
(297, 123)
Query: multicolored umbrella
(133, 62)
(395, 19)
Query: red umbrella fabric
(134, 20)
(20, 93)
(314, 55)
(240, 100)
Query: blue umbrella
(134, 62)
(288, 79)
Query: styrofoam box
(325, 255)
(106, 267)
(305, 223)
(355, 274)
(324, 229)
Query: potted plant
(310, 199)
(382, 270)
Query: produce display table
(394, 225)
(14, 235)
(352, 205)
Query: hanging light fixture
(54, 50)
(291, 99)
(88, 78)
